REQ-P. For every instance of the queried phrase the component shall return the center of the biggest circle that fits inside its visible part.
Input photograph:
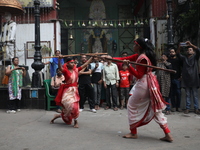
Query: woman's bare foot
(130, 136)
(76, 124)
(167, 138)
(52, 121)
(56, 116)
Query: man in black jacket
(190, 75)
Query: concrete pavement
(30, 130)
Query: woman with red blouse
(146, 102)
(68, 96)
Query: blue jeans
(97, 93)
(167, 99)
(194, 93)
(175, 93)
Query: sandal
(115, 109)
(167, 112)
(106, 108)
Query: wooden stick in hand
(88, 54)
(154, 67)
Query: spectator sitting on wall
(56, 82)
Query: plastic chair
(50, 98)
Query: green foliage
(45, 49)
(186, 20)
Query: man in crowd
(175, 93)
(111, 82)
(96, 80)
(190, 75)
(85, 88)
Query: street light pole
(170, 42)
(37, 65)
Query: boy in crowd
(124, 85)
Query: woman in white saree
(146, 102)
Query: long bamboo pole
(154, 67)
(88, 54)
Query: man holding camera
(190, 75)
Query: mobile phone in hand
(183, 44)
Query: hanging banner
(30, 3)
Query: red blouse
(140, 70)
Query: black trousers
(113, 90)
(86, 90)
(14, 104)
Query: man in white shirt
(96, 80)
(111, 82)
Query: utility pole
(37, 65)
(170, 42)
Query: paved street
(30, 130)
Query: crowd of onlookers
(100, 82)
(109, 83)
(186, 76)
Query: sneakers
(80, 110)
(10, 111)
(93, 110)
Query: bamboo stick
(154, 67)
(88, 54)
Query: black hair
(124, 64)
(142, 43)
(150, 53)
(57, 51)
(189, 47)
(68, 59)
(14, 58)
(171, 48)
(74, 57)
(57, 69)
(148, 48)
(166, 54)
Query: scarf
(16, 80)
(158, 103)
